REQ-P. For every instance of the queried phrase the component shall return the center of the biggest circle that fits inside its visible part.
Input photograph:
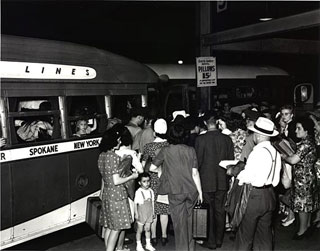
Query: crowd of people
(175, 163)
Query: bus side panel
(84, 174)
(6, 195)
(40, 185)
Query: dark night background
(158, 31)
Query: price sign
(206, 71)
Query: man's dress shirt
(259, 165)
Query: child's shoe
(140, 248)
(150, 247)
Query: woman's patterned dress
(115, 213)
(304, 178)
(149, 150)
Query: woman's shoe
(306, 234)
(154, 242)
(164, 241)
(316, 223)
(288, 222)
(285, 219)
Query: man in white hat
(262, 171)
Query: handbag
(125, 171)
(285, 146)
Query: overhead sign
(206, 71)
(222, 5)
(28, 70)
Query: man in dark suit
(211, 148)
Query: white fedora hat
(265, 127)
(182, 113)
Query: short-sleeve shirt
(148, 194)
(263, 166)
(177, 161)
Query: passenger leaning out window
(39, 129)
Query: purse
(285, 146)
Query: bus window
(86, 115)
(34, 119)
(222, 94)
(122, 104)
(245, 92)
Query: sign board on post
(222, 5)
(206, 71)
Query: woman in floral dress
(303, 176)
(233, 126)
(150, 151)
(116, 215)
(315, 116)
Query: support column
(205, 28)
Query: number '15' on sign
(206, 75)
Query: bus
(236, 85)
(47, 178)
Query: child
(144, 210)
(82, 127)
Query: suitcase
(200, 221)
(93, 214)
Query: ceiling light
(266, 13)
(264, 19)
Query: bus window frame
(11, 116)
(101, 105)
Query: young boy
(144, 210)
